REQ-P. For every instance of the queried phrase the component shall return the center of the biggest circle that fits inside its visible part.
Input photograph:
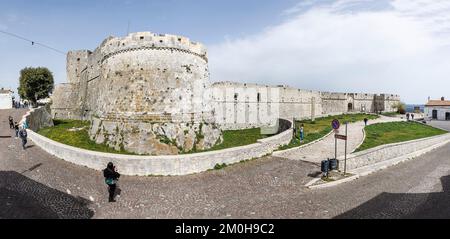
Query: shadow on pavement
(22, 197)
(405, 205)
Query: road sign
(339, 136)
(335, 124)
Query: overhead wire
(33, 42)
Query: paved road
(324, 149)
(440, 124)
(34, 184)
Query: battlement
(148, 41)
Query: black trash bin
(325, 166)
(334, 164)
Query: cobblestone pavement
(324, 149)
(265, 188)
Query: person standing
(11, 122)
(16, 129)
(412, 116)
(365, 121)
(111, 178)
(23, 135)
(302, 133)
(407, 116)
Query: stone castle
(150, 94)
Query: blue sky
(398, 46)
(78, 24)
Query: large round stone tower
(145, 93)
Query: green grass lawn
(390, 114)
(321, 126)
(236, 138)
(80, 138)
(394, 132)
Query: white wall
(5, 101)
(440, 109)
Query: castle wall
(239, 105)
(150, 93)
(144, 93)
(64, 102)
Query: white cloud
(394, 49)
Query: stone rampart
(240, 105)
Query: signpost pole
(345, 157)
(335, 147)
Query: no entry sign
(335, 124)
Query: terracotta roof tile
(438, 103)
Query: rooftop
(441, 102)
(5, 91)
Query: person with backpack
(23, 135)
(111, 178)
(25, 124)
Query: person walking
(365, 121)
(11, 122)
(111, 178)
(302, 133)
(25, 124)
(412, 116)
(407, 116)
(23, 135)
(16, 129)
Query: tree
(401, 107)
(35, 84)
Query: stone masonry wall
(239, 105)
(37, 119)
(145, 93)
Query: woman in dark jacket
(111, 177)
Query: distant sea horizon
(410, 107)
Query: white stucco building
(438, 109)
(6, 99)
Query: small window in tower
(142, 38)
(236, 96)
(161, 41)
(78, 59)
(258, 97)
(179, 39)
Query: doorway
(435, 113)
(350, 107)
(447, 116)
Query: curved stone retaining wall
(165, 164)
(390, 151)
